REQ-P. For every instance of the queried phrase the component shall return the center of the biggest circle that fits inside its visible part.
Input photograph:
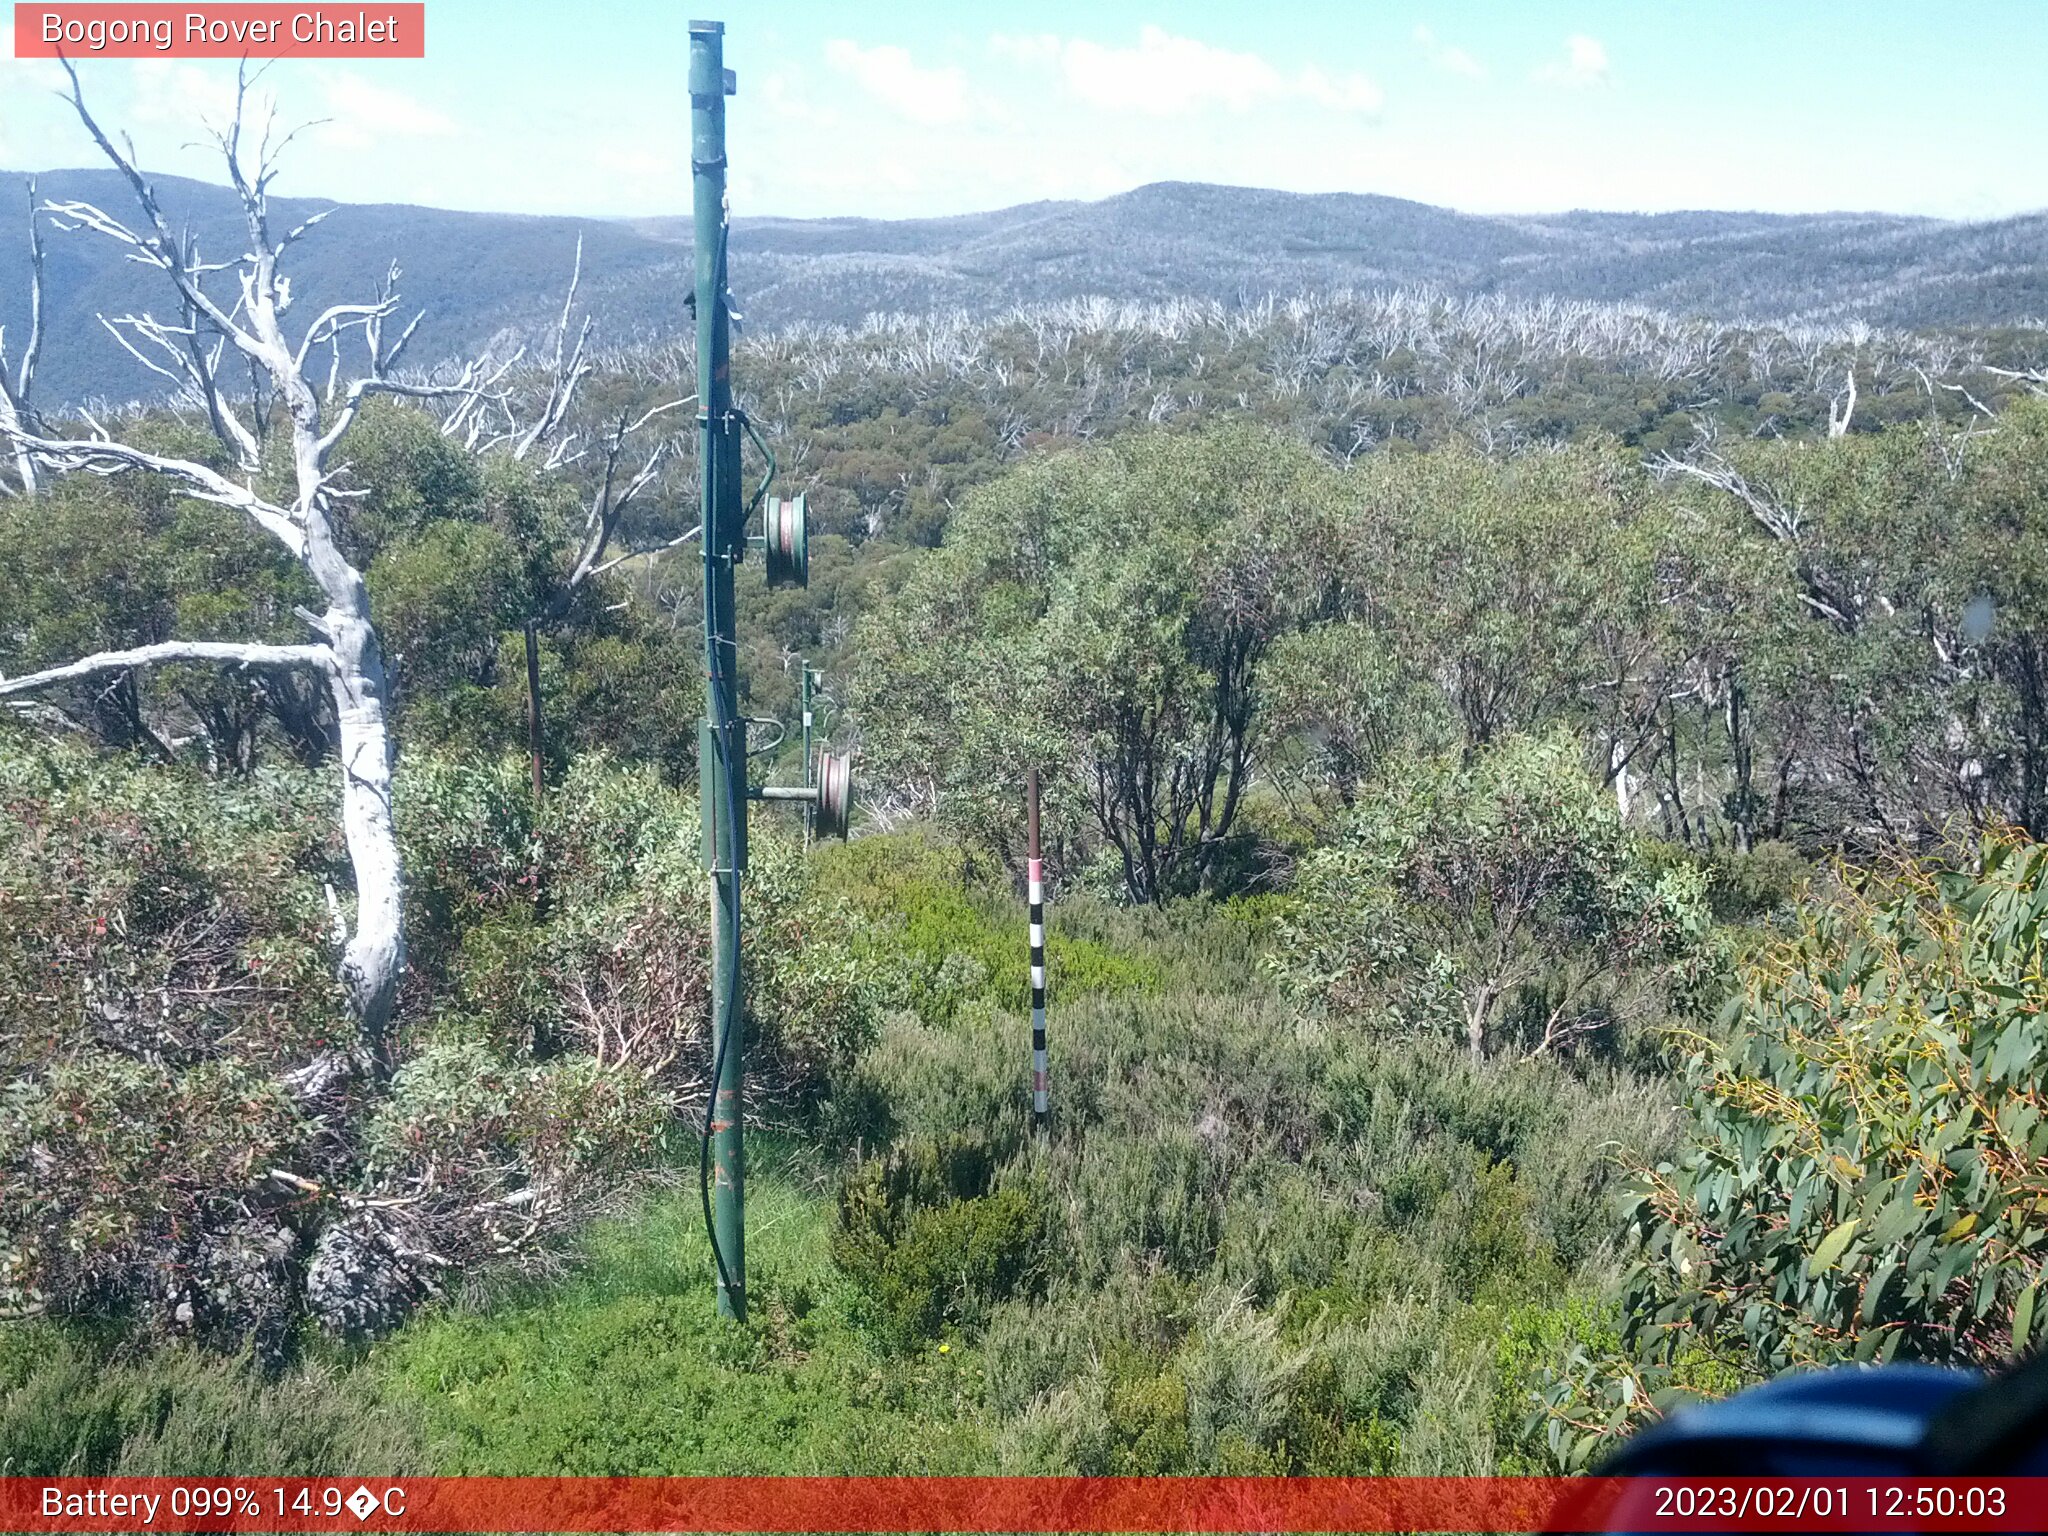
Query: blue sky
(926, 108)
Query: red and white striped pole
(1035, 874)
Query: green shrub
(1067, 1432)
(949, 932)
(1748, 887)
(583, 927)
(1148, 1418)
(922, 1079)
(1866, 1146)
(1282, 1231)
(1536, 1338)
(1500, 900)
(1033, 1346)
(621, 1367)
(471, 849)
(163, 961)
(166, 966)
(443, 595)
(1862, 1173)
(931, 1242)
(1240, 1377)
(1159, 1199)
(122, 1179)
(1326, 1433)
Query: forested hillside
(477, 275)
(1542, 807)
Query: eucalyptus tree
(1908, 689)
(627, 457)
(1468, 897)
(1107, 614)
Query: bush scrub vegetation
(1542, 931)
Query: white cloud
(1452, 60)
(1170, 76)
(28, 82)
(1342, 93)
(359, 112)
(192, 98)
(788, 97)
(644, 166)
(353, 112)
(892, 77)
(33, 75)
(1165, 75)
(1034, 48)
(1584, 63)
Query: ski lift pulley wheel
(787, 542)
(835, 795)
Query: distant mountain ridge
(477, 274)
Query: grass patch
(624, 1369)
(76, 1403)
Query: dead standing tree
(345, 652)
(618, 486)
(18, 392)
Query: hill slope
(476, 274)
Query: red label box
(1222, 1505)
(372, 30)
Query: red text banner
(986, 1504)
(115, 31)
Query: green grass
(623, 1369)
(77, 1402)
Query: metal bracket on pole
(718, 859)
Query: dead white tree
(16, 394)
(2033, 380)
(1780, 516)
(1843, 406)
(345, 652)
(619, 484)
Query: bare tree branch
(103, 456)
(609, 501)
(2035, 379)
(1779, 520)
(568, 371)
(191, 351)
(229, 652)
(25, 381)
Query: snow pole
(1035, 875)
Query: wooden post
(534, 733)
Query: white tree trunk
(374, 957)
(1617, 767)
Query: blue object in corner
(1851, 1420)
